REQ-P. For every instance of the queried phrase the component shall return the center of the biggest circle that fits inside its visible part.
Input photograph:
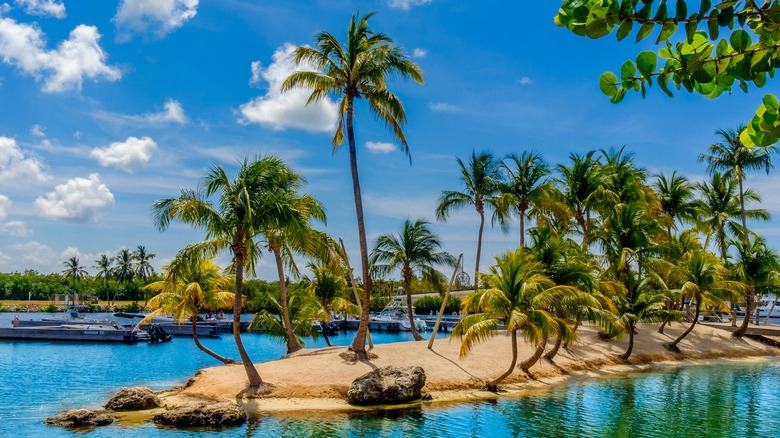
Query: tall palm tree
(580, 182)
(357, 69)
(328, 286)
(481, 179)
(735, 160)
(231, 224)
(75, 270)
(719, 208)
(757, 267)
(416, 249)
(105, 270)
(703, 277)
(189, 286)
(517, 293)
(124, 271)
(526, 189)
(142, 266)
(676, 195)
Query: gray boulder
(203, 414)
(134, 399)
(81, 418)
(387, 385)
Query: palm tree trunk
(408, 289)
(551, 354)
(355, 291)
(771, 309)
(522, 227)
(627, 354)
(742, 210)
(202, 348)
(733, 314)
(742, 330)
(673, 344)
(292, 342)
(528, 363)
(479, 248)
(491, 385)
(661, 329)
(359, 343)
(577, 323)
(251, 372)
(444, 302)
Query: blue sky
(109, 106)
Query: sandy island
(318, 379)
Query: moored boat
(396, 311)
(77, 332)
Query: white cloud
(379, 147)
(288, 110)
(63, 69)
(157, 17)
(129, 155)
(257, 70)
(419, 53)
(77, 200)
(525, 80)
(406, 4)
(11, 228)
(442, 106)
(173, 112)
(36, 253)
(16, 166)
(45, 8)
(37, 130)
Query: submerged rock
(81, 418)
(203, 414)
(134, 399)
(387, 385)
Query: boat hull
(59, 333)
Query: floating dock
(70, 333)
(758, 330)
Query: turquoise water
(40, 379)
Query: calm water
(40, 379)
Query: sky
(109, 106)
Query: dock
(756, 330)
(60, 333)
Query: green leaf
(770, 101)
(713, 27)
(760, 80)
(723, 46)
(646, 63)
(726, 4)
(627, 71)
(625, 29)
(666, 31)
(705, 7)
(740, 40)
(725, 16)
(608, 84)
(691, 26)
(644, 31)
(682, 10)
(746, 139)
(743, 85)
(619, 96)
(741, 19)
(661, 14)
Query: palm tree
(304, 314)
(142, 266)
(357, 69)
(125, 269)
(703, 277)
(734, 159)
(103, 264)
(757, 267)
(720, 207)
(517, 293)
(526, 190)
(481, 179)
(580, 182)
(676, 196)
(189, 286)
(329, 287)
(416, 249)
(75, 270)
(231, 224)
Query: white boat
(396, 311)
(765, 306)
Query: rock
(203, 414)
(81, 418)
(387, 385)
(133, 399)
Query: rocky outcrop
(387, 385)
(203, 414)
(81, 418)
(134, 399)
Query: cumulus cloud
(44, 8)
(77, 200)
(406, 4)
(288, 110)
(442, 106)
(129, 155)
(36, 253)
(62, 69)
(379, 147)
(525, 80)
(172, 112)
(419, 53)
(155, 17)
(15, 165)
(257, 69)
(11, 228)
(37, 130)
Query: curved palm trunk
(491, 385)
(742, 330)
(627, 354)
(742, 210)
(359, 343)
(292, 342)
(577, 323)
(408, 288)
(551, 354)
(771, 309)
(251, 372)
(673, 344)
(661, 329)
(479, 247)
(531, 361)
(204, 349)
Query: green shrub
(51, 308)
(92, 307)
(378, 302)
(425, 305)
(132, 307)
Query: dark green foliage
(378, 302)
(424, 305)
